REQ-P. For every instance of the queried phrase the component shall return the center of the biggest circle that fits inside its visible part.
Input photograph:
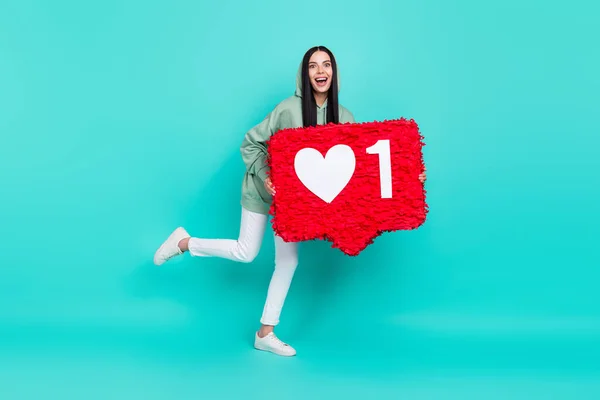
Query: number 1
(382, 147)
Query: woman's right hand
(269, 187)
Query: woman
(314, 102)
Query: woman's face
(320, 71)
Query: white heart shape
(325, 177)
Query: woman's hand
(269, 187)
(423, 176)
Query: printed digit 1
(382, 147)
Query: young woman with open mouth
(315, 101)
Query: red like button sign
(347, 183)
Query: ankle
(183, 244)
(265, 330)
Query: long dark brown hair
(309, 105)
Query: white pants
(245, 249)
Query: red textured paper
(358, 214)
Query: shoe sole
(274, 352)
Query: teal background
(121, 120)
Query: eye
(328, 65)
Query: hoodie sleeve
(346, 116)
(254, 148)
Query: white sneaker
(272, 343)
(170, 247)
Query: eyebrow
(313, 62)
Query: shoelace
(277, 340)
(171, 255)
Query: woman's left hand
(423, 176)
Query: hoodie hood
(299, 80)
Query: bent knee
(247, 255)
(247, 258)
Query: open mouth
(321, 81)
